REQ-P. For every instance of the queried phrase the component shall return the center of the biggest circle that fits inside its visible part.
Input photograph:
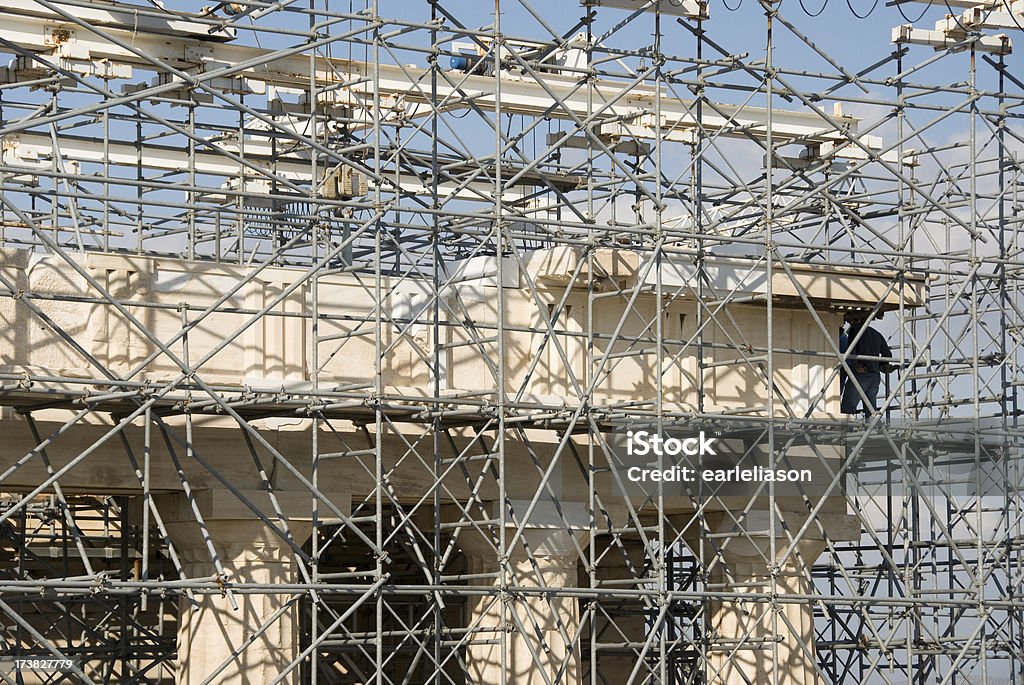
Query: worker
(844, 344)
(866, 369)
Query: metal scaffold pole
(335, 336)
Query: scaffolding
(332, 317)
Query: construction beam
(693, 9)
(943, 38)
(29, 151)
(620, 105)
(978, 18)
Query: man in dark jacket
(867, 372)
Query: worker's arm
(886, 367)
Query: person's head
(855, 319)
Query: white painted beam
(940, 39)
(694, 9)
(979, 18)
(559, 97)
(954, 3)
(29, 150)
(112, 15)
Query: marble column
(210, 630)
(767, 639)
(625, 560)
(540, 644)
